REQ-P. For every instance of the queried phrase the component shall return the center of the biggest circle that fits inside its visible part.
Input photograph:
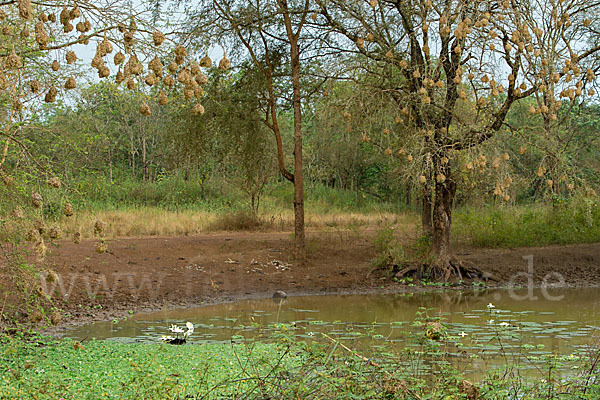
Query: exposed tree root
(443, 270)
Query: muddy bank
(148, 274)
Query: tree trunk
(144, 158)
(426, 213)
(300, 245)
(442, 216)
(293, 37)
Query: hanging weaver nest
(55, 232)
(134, 66)
(156, 66)
(70, 83)
(145, 110)
(119, 58)
(163, 99)
(206, 62)
(180, 51)
(13, 61)
(52, 18)
(41, 36)
(103, 72)
(128, 38)
(55, 66)
(75, 12)
(120, 77)
(68, 27)
(51, 95)
(71, 57)
(150, 81)
(99, 227)
(97, 62)
(188, 93)
(104, 48)
(184, 76)
(101, 247)
(54, 182)
(37, 200)
(68, 209)
(40, 226)
(194, 68)
(201, 79)
(24, 33)
(34, 85)
(198, 92)
(130, 84)
(158, 37)
(198, 109)
(31, 235)
(224, 64)
(65, 16)
(40, 249)
(179, 60)
(25, 10)
(84, 39)
(172, 67)
(77, 237)
(169, 81)
(80, 27)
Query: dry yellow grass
(160, 222)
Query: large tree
(455, 68)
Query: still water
(561, 321)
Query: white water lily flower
(167, 338)
(175, 329)
(190, 326)
(462, 334)
(491, 306)
(504, 324)
(491, 322)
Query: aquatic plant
(185, 334)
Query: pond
(486, 325)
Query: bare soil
(143, 274)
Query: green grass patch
(540, 224)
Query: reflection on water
(558, 327)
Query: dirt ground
(143, 274)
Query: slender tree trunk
(144, 156)
(293, 37)
(300, 245)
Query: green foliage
(390, 251)
(575, 220)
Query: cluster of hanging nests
(181, 69)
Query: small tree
(272, 33)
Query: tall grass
(541, 224)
